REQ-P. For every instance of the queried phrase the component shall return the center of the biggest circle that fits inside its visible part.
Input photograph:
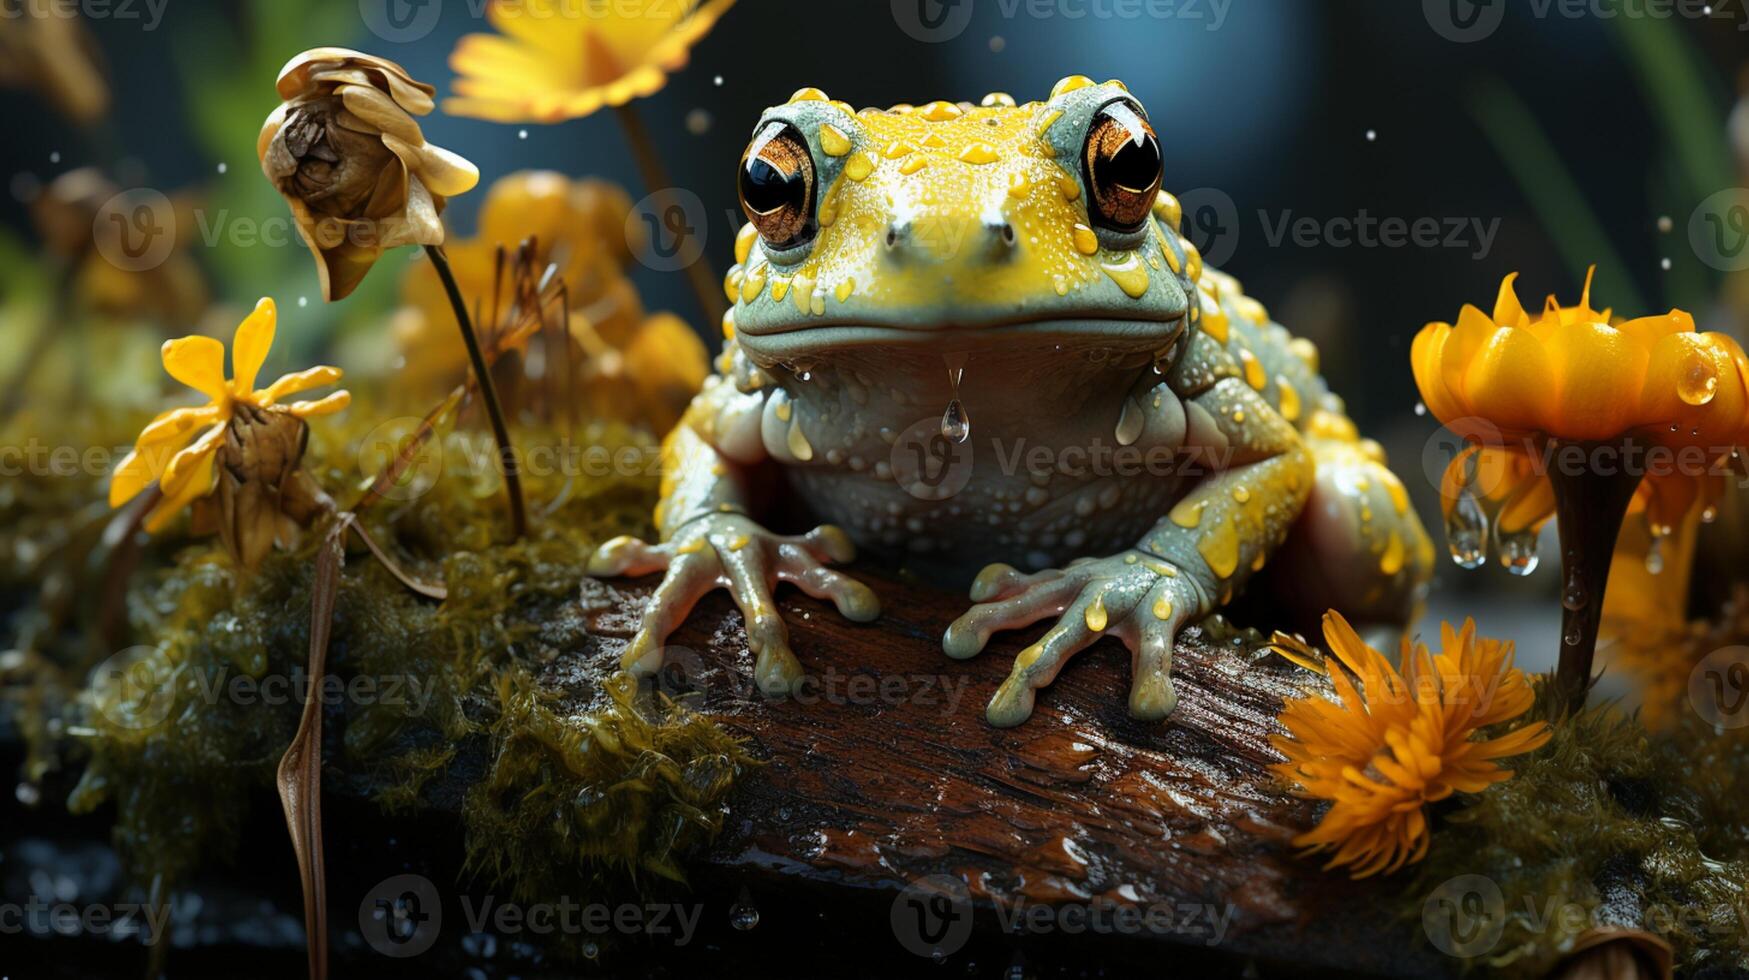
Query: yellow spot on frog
(940, 111)
(1086, 240)
(1095, 616)
(1167, 209)
(729, 324)
(997, 99)
(779, 289)
(753, 284)
(1241, 495)
(859, 166)
(1306, 351)
(913, 165)
(1391, 562)
(833, 141)
(978, 154)
(799, 446)
(1162, 607)
(1130, 559)
(1251, 310)
(1029, 656)
(1067, 183)
(934, 141)
(744, 240)
(1188, 512)
(1192, 260)
(1131, 275)
(804, 287)
(1290, 399)
(809, 94)
(1161, 568)
(897, 149)
(845, 287)
(739, 542)
(732, 282)
(690, 547)
(1220, 548)
(1399, 495)
(1071, 83)
(1255, 375)
(1018, 184)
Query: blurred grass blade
(1552, 191)
(1683, 105)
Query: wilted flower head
(258, 441)
(347, 155)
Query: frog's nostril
(892, 236)
(1006, 233)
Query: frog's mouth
(779, 341)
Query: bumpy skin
(955, 255)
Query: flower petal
(198, 362)
(324, 406)
(250, 344)
(303, 380)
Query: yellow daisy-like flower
(557, 59)
(178, 447)
(1398, 741)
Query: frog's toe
(995, 581)
(687, 581)
(1152, 696)
(1011, 705)
(1044, 597)
(626, 555)
(855, 601)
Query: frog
(973, 343)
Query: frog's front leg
(1259, 474)
(710, 542)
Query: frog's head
(905, 224)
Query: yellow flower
(344, 151)
(178, 447)
(1399, 741)
(559, 59)
(1512, 381)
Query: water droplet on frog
(1130, 422)
(591, 951)
(1518, 551)
(744, 916)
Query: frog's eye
(777, 186)
(1123, 168)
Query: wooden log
(883, 772)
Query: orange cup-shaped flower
(1569, 414)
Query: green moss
(1608, 825)
(585, 779)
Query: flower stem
(705, 285)
(488, 394)
(1589, 508)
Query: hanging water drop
(1518, 551)
(955, 423)
(1655, 554)
(1574, 595)
(744, 916)
(1466, 531)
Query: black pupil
(1135, 165)
(767, 189)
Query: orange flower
(555, 60)
(178, 448)
(1512, 381)
(1399, 741)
